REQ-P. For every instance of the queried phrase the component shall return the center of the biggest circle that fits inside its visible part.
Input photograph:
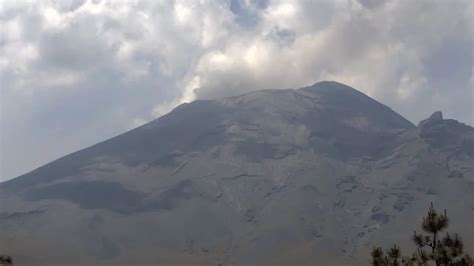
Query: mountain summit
(314, 175)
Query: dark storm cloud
(77, 72)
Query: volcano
(311, 176)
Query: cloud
(399, 52)
(77, 72)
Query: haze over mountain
(314, 175)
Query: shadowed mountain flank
(315, 175)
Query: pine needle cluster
(432, 248)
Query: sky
(74, 73)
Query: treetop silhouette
(431, 248)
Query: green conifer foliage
(5, 260)
(432, 248)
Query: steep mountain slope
(318, 174)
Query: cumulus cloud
(399, 52)
(76, 72)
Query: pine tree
(432, 249)
(5, 260)
(392, 257)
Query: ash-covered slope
(318, 174)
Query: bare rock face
(434, 118)
(447, 134)
(311, 176)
